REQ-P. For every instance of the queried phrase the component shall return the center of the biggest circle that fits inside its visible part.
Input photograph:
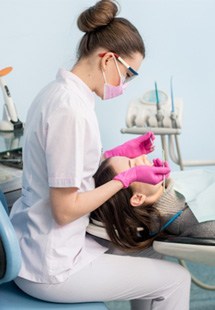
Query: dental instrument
(151, 140)
(172, 96)
(164, 178)
(173, 117)
(159, 115)
(10, 121)
(157, 97)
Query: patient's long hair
(127, 226)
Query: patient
(137, 215)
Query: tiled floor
(201, 298)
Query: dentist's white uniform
(61, 263)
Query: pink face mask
(111, 91)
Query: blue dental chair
(11, 297)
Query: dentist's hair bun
(97, 16)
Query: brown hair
(120, 219)
(104, 30)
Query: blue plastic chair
(11, 297)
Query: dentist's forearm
(68, 204)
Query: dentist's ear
(137, 199)
(105, 59)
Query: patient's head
(143, 193)
(129, 209)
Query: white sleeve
(65, 141)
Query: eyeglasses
(130, 73)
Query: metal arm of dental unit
(10, 121)
(170, 146)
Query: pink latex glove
(161, 163)
(134, 148)
(145, 174)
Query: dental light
(10, 121)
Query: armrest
(187, 240)
(10, 245)
(197, 250)
(2, 260)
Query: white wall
(39, 36)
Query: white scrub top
(62, 149)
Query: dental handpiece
(9, 104)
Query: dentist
(61, 153)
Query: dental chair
(156, 111)
(11, 297)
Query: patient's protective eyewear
(130, 73)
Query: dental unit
(158, 112)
